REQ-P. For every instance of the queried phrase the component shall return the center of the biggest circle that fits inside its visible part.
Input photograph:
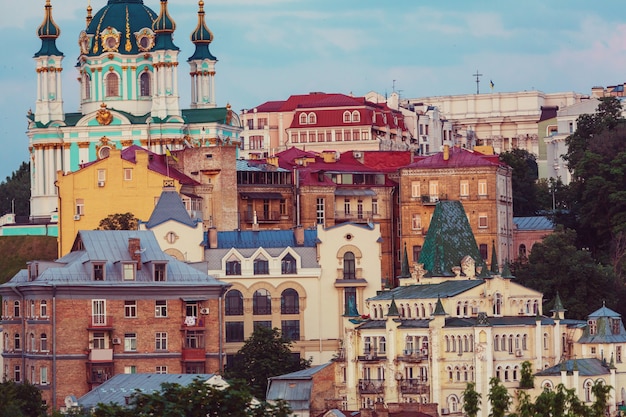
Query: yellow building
(130, 180)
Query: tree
(15, 192)
(471, 400)
(119, 221)
(600, 404)
(499, 398)
(265, 354)
(556, 265)
(523, 181)
(21, 400)
(527, 379)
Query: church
(127, 65)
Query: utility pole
(477, 75)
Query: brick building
(481, 182)
(115, 304)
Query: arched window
(453, 347)
(6, 342)
(447, 343)
(458, 309)
(547, 385)
(16, 309)
(349, 268)
(234, 303)
(496, 343)
(423, 310)
(522, 251)
(31, 313)
(356, 116)
(17, 342)
(497, 304)
(112, 85)
(43, 308)
(303, 118)
(261, 266)
(367, 345)
(288, 265)
(506, 373)
(145, 89)
(499, 372)
(312, 118)
(525, 342)
(536, 307)
(382, 345)
(33, 345)
(546, 341)
(43, 342)
(289, 302)
(346, 117)
(87, 86)
(503, 343)
(453, 403)
(588, 393)
(261, 302)
(233, 266)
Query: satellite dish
(71, 401)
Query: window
(591, 325)
(32, 309)
(382, 345)
(160, 308)
(98, 271)
(587, 387)
(261, 266)
(43, 342)
(194, 339)
(17, 343)
(482, 188)
(282, 207)
(161, 370)
(346, 117)
(374, 206)
(43, 309)
(349, 270)
(483, 250)
(312, 118)
(319, 211)
(160, 341)
(522, 251)
(99, 340)
(303, 118)
(546, 341)
(416, 222)
(128, 174)
(112, 85)
(132, 369)
(80, 206)
(433, 191)
(346, 206)
(144, 84)
(262, 122)
(291, 329)
(417, 249)
(288, 265)
(262, 323)
(130, 309)
(261, 302)
(497, 304)
(17, 373)
(618, 354)
(16, 309)
(616, 326)
(87, 86)
(98, 312)
(289, 302)
(130, 342)
(102, 175)
(128, 272)
(43, 375)
(234, 331)
(234, 303)
(159, 272)
(233, 267)
(464, 189)
(356, 116)
(415, 189)
(349, 299)
(482, 221)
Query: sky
(270, 49)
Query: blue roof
(170, 207)
(243, 165)
(586, 367)
(533, 223)
(121, 386)
(248, 239)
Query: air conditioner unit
(445, 411)
(518, 353)
(116, 341)
(77, 217)
(204, 310)
(100, 183)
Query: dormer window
(303, 119)
(159, 272)
(128, 271)
(312, 118)
(356, 116)
(233, 266)
(98, 271)
(261, 266)
(346, 117)
(592, 326)
(616, 326)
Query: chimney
(134, 249)
(212, 238)
(298, 234)
(446, 152)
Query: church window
(112, 85)
(144, 84)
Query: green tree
(523, 181)
(20, 400)
(527, 379)
(525, 407)
(471, 400)
(600, 404)
(15, 192)
(556, 265)
(265, 354)
(119, 221)
(499, 398)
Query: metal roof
(263, 238)
(533, 223)
(445, 289)
(170, 207)
(586, 367)
(295, 388)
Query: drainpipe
(220, 320)
(56, 184)
(54, 347)
(393, 236)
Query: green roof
(449, 239)
(444, 289)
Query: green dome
(123, 26)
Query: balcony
(414, 386)
(431, 200)
(372, 357)
(371, 386)
(191, 322)
(413, 356)
(262, 216)
(353, 216)
(100, 323)
(193, 355)
(98, 374)
(101, 355)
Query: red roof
(459, 157)
(158, 163)
(387, 161)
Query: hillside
(15, 251)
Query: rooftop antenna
(477, 75)
(393, 86)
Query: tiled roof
(458, 157)
(121, 386)
(158, 163)
(387, 161)
(533, 223)
(449, 239)
(263, 239)
(586, 367)
(170, 207)
(445, 289)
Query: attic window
(159, 272)
(303, 119)
(208, 155)
(592, 326)
(615, 326)
(128, 271)
(98, 272)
